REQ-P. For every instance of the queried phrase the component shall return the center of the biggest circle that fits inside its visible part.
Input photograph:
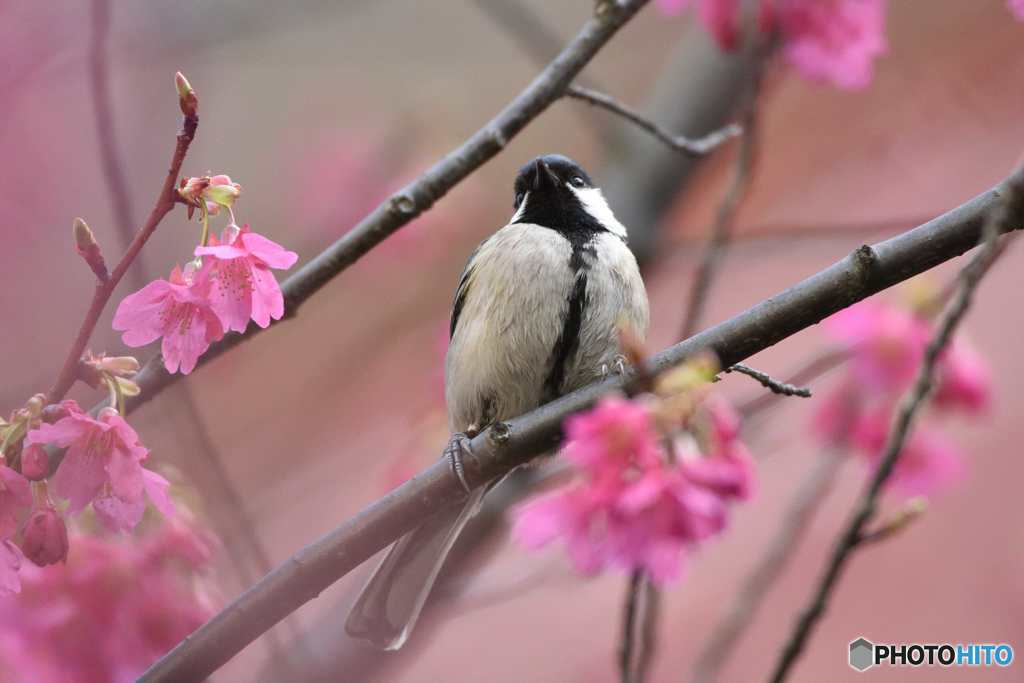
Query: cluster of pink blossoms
(228, 284)
(826, 40)
(631, 507)
(102, 466)
(888, 344)
(110, 611)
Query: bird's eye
(577, 181)
(518, 201)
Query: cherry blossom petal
(79, 477)
(267, 299)
(10, 563)
(268, 251)
(157, 490)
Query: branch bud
(187, 100)
(89, 249)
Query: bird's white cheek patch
(594, 203)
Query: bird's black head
(555, 192)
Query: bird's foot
(616, 367)
(455, 452)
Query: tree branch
(693, 146)
(505, 446)
(1004, 214)
(409, 202)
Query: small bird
(536, 315)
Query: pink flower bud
(45, 540)
(187, 100)
(35, 464)
(89, 249)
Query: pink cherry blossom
(107, 613)
(1017, 7)
(826, 40)
(616, 432)
(964, 380)
(629, 507)
(888, 343)
(180, 311)
(10, 564)
(832, 40)
(15, 501)
(103, 465)
(45, 539)
(244, 286)
(928, 462)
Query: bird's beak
(542, 178)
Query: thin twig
(768, 382)
(798, 517)
(507, 445)
(165, 201)
(1005, 214)
(648, 630)
(692, 146)
(628, 640)
(806, 374)
(725, 218)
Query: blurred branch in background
(696, 93)
(1006, 214)
(233, 523)
(725, 636)
(506, 446)
(106, 134)
(725, 217)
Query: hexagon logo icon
(862, 654)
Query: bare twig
(1003, 215)
(648, 630)
(769, 382)
(692, 146)
(507, 445)
(798, 518)
(897, 523)
(726, 215)
(629, 642)
(165, 201)
(811, 371)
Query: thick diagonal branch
(507, 445)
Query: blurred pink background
(319, 109)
